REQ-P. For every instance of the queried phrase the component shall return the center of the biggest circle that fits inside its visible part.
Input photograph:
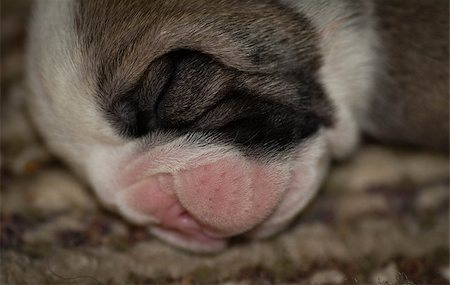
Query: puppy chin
(205, 244)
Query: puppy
(203, 120)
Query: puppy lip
(214, 234)
(188, 231)
(168, 214)
(201, 243)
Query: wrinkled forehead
(131, 55)
(254, 35)
(121, 38)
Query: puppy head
(201, 120)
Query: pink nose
(228, 196)
(220, 199)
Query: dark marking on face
(197, 94)
(134, 112)
(246, 71)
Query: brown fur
(123, 37)
(411, 103)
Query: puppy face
(202, 120)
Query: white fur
(62, 88)
(310, 166)
(348, 46)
